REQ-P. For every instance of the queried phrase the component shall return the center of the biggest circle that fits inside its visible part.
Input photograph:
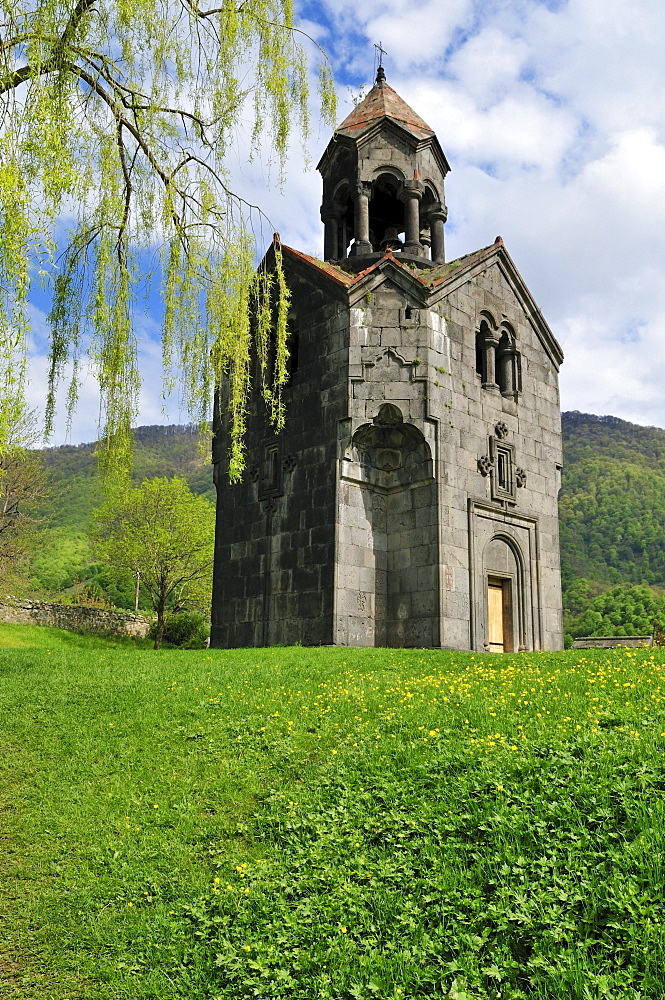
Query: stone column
(411, 197)
(437, 219)
(426, 242)
(506, 365)
(331, 233)
(490, 344)
(343, 237)
(362, 244)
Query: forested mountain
(63, 563)
(612, 515)
(612, 501)
(612, 506)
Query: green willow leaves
(117, 117)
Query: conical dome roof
(384, 102)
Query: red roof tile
(429, 278)
(334, 272)
(384, 102)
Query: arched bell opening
(429, 200)
(345, 232)
(433, 215)
(338, 215)
(386, 214)
(343, 211)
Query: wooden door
(500, 615)
(495, 615)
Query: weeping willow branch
(120, 113)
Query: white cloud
(603, 56)
(489, 65)
(523, 129)
(416, 34)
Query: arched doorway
(503, 576)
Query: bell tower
(383, 182)
(411, 499)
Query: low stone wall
(75, 618)
(611, 641)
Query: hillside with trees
(612, 516)
(63, 564)
(612, 507)
(23, 487)
(612, 502)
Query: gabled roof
(438, 281)
(428, 278)
(322, 266)
(384, 102)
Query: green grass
(331, 823)
(43, 637)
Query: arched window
(498, 361)
(480, 353)
(486, 343)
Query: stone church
(411, 499)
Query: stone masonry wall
(74, 618)
(275, 533)
(532, 429)
(424, 360)
(612, 641)
(387, 549)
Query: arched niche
(390, 453)
(389, 534)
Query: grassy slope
(331, 823)
(42, 637)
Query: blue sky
(552, 115)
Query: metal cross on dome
(380, 52)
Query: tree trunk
(159, 634)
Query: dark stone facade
(412, 498)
